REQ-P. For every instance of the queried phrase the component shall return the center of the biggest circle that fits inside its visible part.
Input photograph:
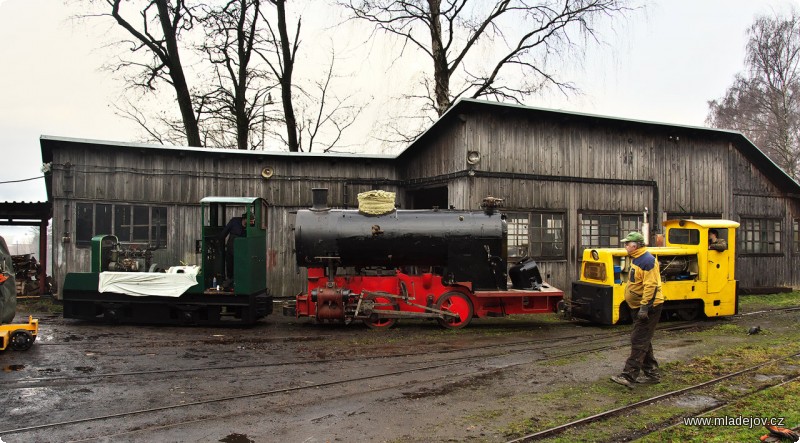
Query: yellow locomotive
(697, 274)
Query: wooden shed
(570, 181)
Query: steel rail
(561, 428)
(558, 340)
(280, 391)
(453, 362)
(725, 403)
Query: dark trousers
(642, 358)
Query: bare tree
(237, 95)
(764, 101)
(232, 95)
(449, 31)
(157, 36)
(327, 113)
(280, 58)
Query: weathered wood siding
(536, 160)
(686, 170)
(179, 180)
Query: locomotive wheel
(375, 321)
(687, 314)
(21, 340)
(457, 303)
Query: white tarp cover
(172, 284)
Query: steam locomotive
(445, 265)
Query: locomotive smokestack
(319, 199)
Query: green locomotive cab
(124, 286)
(698, 279)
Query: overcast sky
(661, 64)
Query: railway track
(529, 351)
(451, 365)
(489, 350)
(555, 430)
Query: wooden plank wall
(693, 173)
(180, 181)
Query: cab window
(679, 236)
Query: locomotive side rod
(431, 312)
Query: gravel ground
(289, 380)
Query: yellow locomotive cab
(697, 277)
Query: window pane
(141, 215)
(630, 223)
(547, 235)
(102, 219)
(83, 224)
(760, 236)
(517, 235)
(141, 224)
(599, 231)
(122, 222)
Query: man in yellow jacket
(644, 297)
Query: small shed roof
(25, 213)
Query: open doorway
(427, 198)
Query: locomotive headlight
(595, 255)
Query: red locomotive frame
(382, 299)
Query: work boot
(623, 380)
(648, 379)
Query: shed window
(517, 235)
(539, 235)
(131, 224)
(84, 226)
(547, 235)
(796, 235)
(760, 236)
(606, 230)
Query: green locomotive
(124, 287)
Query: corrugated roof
(46, 140)
(16, 212)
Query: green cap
(634, 236)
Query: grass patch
(571, 403)
(755, 302)
(39, 305)
(780, 401)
